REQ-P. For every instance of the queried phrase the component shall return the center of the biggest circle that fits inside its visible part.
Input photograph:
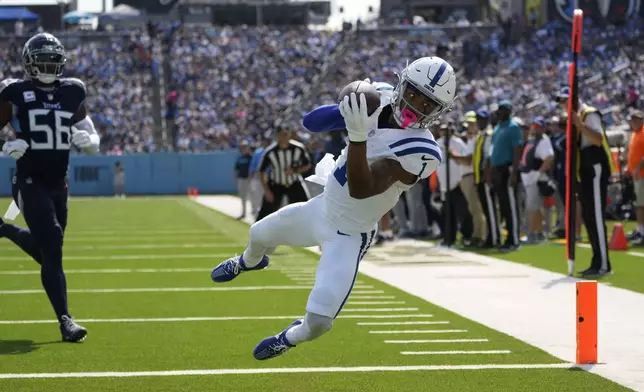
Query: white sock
(387, 233)
(313, 326)
(255, 249)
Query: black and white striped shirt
(279, 159)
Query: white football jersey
(417, 152)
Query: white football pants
(304, 225)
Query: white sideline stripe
(139, 231)
(365, 296)
(421, 331)
(234, 318)
(110, 271)
(436, 341)
(405, 323)
(457, 352)
(638, 254)
(380, 310)
(163, 289)
(151, 239)
(368, 292)
(139, 246)
(130, 257)
(377, 302)
(357, 369)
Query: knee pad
(317, 325)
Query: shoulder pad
(74, 82)
(7, 82)
(296, 143)
(418, 155)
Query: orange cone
(189, 192)
(618, 239)
(195, 192)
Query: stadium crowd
(238, 83)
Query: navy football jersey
(44, 119)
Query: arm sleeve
(325, 118)
(5, 91)
(517, 136)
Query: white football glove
(15, 149)
(358, 122)
(81, 138)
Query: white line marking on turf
(457, 352)
(140, 246)
(365, 296)
(110, 271)
(368, 292)
(380, 309)
(187, 289)
(234, 318)
(436, 341)
(357, 369)
(406, 323)
(376, 302)
(130, 257)
(164, 289)
(421, 331)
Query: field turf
(138, 275)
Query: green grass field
(628, 266)
(138, 275)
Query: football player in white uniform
(386, 155)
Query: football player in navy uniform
(47, 113)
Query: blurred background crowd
(175, 86)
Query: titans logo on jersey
(43, 118)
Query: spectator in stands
(636, 169)
(241, 175)
(119, 180)
(507, 144)
(536, 164)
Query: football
(361, 87)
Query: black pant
(433, 214)
(295, 193)
(592, 195)
(488, 202)
(45, 211)
(459, 216)
(507, 195)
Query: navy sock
(23, 238)
(53, 278)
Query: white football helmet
(432, 77)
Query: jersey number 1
(38, 123)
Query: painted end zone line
(233, 318)
(169, 289)
(219, 372)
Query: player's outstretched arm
(324, 118)
(84, 134)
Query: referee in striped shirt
(285, 161)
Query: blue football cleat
(274, 346)
(231, 268)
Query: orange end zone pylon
(586, 322)
(618, 238)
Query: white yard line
(214, 256)
(233, 318)
(376, 302)
(372, 296)
(367, 292)
(404, 323)
(423, 341)
(537, 308)
(220, 372)
(380, 309)
(137, 246)
(417, 331)
(111, 271)
(457, 352)
(185, 289)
